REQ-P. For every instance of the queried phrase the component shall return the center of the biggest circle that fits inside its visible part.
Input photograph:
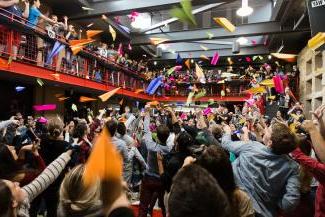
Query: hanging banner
(316, 11)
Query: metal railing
(32, 45)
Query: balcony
(26, 50)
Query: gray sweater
(38, 185)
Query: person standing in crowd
(11, 7)
(195, 193)
(35, 44)
(15, 201)
(265, 171)
(52, 146)
(151, 183)
(216, 161)
(316, 168)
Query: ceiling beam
(246, 51)
(123, 7)
(171, 20)
(247, 30)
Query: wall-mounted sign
(316, 11)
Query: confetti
(215, 59)
(204, 48)
(74, 107)
(93, 33)
(113, 32)
(184, 13)
(40, 82)
(225, 23)
(104, 97)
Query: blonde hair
(55, 127)
(74, 195)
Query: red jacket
(318, 171)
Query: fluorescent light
(87, 9)
(280, 48)
(155, 63)
(245, 10)
(242, 40)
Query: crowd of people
(262, 158)
(219, 161)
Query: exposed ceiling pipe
(299, 21)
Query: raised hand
(319, 112)
(308, 125)
(188, 160)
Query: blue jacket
(271, 180)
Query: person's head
(30, 121)
(162, 133)
(298, 111)
(81, 130)
(111, 127)
(195, 193)
(280, 139)
(304, 143)
(183, 142)
(216, 161)
(121, 129)
(191, 122)
(8, 163)
(71, 28)
(54, 18)
(75, 195)
(104, 46)
(55, 128)
(36, 3)
(71, 126)
(11, 195)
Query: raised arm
(318, 141)
(48, 176)
(235, 147)
(312, 165)
(47, 19)
(5, 124)
(318, 115)
(5, 4)
(26, 10)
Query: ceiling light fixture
(245, 10)
(242, 40)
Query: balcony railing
(22, 43)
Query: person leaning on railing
(11, 8)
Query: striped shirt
(41, 183)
